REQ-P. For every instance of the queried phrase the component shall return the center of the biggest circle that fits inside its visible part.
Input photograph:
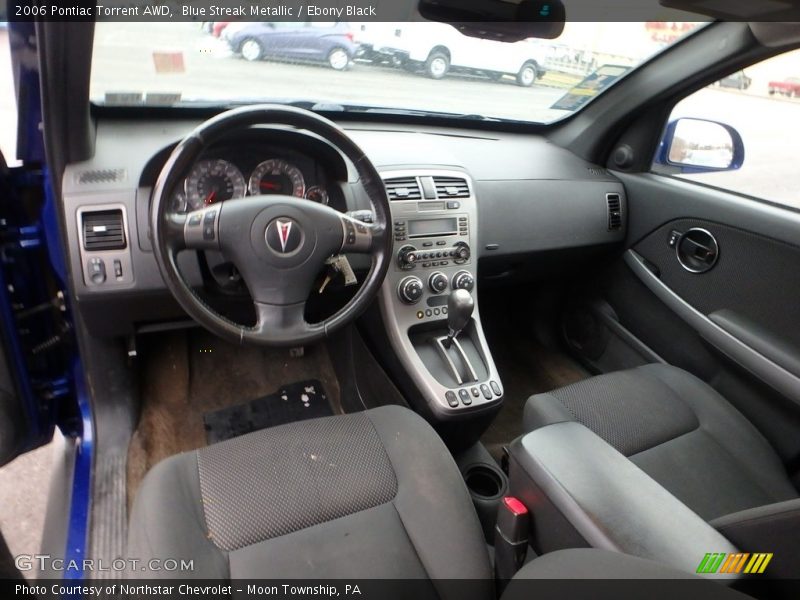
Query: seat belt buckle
(510, 537)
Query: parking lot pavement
(24, 484)
(8, 111)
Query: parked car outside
(218, 27)
(438, 49)
(737, 80)
(330, 43)
(788, 87)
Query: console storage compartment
(581, 492)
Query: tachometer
(211, 181)
(277, 176)
(317, 194)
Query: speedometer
(277, 176)
(212, 181)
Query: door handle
(697, 250)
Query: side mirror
(700, 146)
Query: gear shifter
(459, 310)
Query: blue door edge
(72, 384)
(78, 529)
(81, 497)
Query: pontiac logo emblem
(284, 236)
(284, 229)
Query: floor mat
(188, 374)
(294, 402)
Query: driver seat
(374, 494)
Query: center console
(434, 220)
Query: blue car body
(314, 42)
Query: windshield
(419, 68)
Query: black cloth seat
(677, 429)
(374, 494)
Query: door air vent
(614, 211)
(101, 176)
(103, 230)
(451, 187)
(403, 188)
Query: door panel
(754, 276)
(737, 325)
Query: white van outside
(437, 49)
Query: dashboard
(526, 197)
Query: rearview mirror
(700, 146)
(498, 19)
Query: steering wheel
(278, 243)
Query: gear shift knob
(459, 310)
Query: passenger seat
(692, 441)
(679, 431)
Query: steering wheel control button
(464, 395)
(410, 290)
(350, 233)
(495, 388)
(451, 398)
(437, 282)
(284, 236)
(97, 270)
(209, 217)
(195, 220)
(487, 393)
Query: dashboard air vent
(103, 230)
(101, 176)
(403, 188)
(614, 211)
(451, 187)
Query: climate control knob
(462, 252)
(410, 290)
(407, 257)
(463, 280)
(437, 282)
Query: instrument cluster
(213, 180)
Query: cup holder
(485, 481)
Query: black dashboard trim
(193, 113)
